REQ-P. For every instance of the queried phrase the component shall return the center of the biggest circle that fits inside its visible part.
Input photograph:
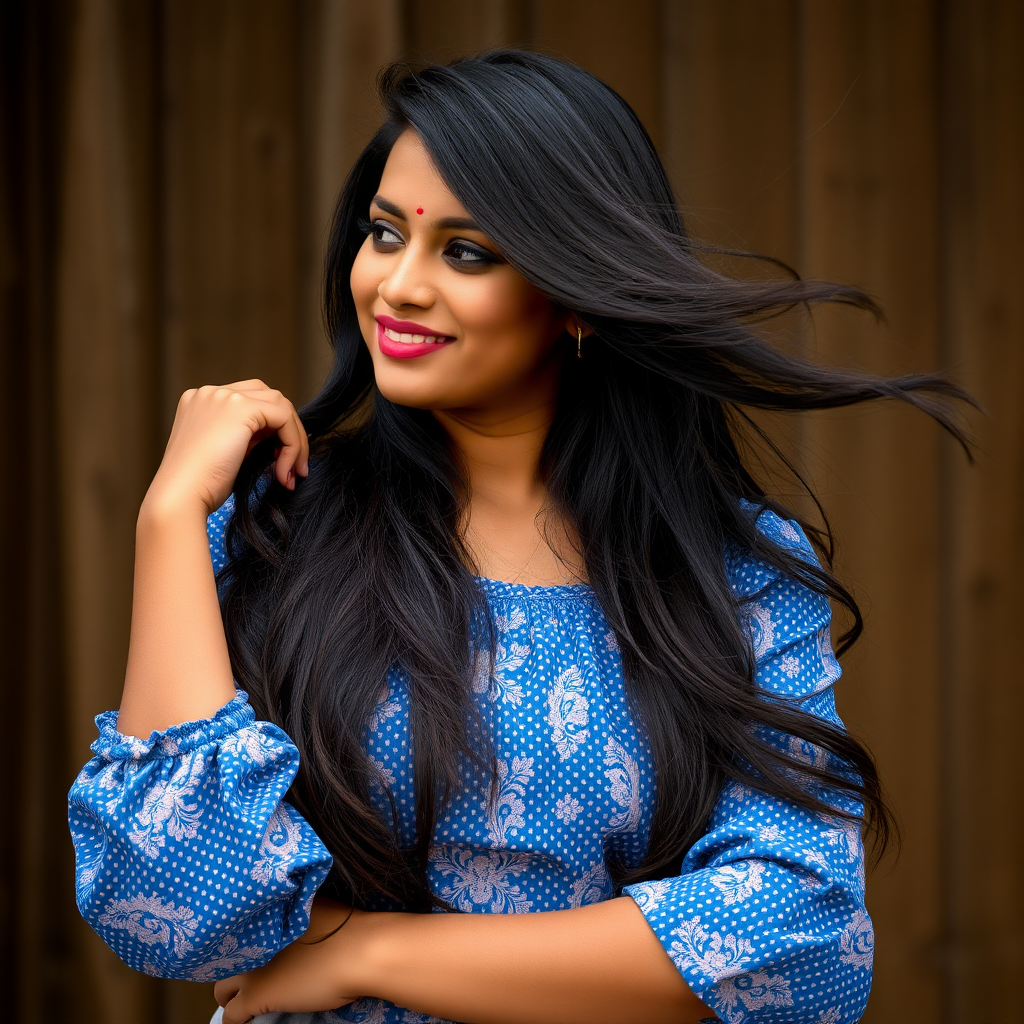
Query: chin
(415, 396)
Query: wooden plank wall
(191, 172)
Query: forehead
(410, 178)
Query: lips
(407, 343)
(410, 327)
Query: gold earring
(579, 342)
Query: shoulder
(788, 622)
(748, 575)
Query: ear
(572, 321)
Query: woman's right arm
(178, 668)
(189, 863)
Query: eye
(385, 237)
(462, 254)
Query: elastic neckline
(502, 588)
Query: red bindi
(419, 209)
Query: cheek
(511, 312)
(364, 281)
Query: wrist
(162, 509)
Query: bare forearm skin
(599, 964)
(178, 667)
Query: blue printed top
(190, 864)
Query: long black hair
(643, 459)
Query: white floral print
(515, 618)
(385, 774)
(568, 712)
(846, 839)
(168, 809)
(499, 685)
(152, 921)
(568, 809)
(738, 881)
(376, 1011)
(231, 958)
(648, 895)
(761, 627)
(623, 773)
(386, 709)
(857, 943)
(280, 843)
(790, 665)
(808, 753)
(505, 813)
(788, 532)
(753, 991)
(482, 879)
(716, 955)
(593, 886)
(89, 863)
(252, 744)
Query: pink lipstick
(403, 339)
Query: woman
(513, 626)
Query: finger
(235, 1014)
(226, 989)
(293, 456)
(252, 384)
(271, 413)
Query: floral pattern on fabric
(191, 865)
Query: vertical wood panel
(733, 151)
(105, 366)
(870, 194)
(615, 41)
(441, 30)
(37, 918)
(231, 253)
(982, 214)
(730, 79)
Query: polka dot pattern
(190, 864)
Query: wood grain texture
(105, 351)
(870, 197)
(982, 215)
(615, 41)
(231, 236)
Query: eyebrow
(462, 223)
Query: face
(449, 324)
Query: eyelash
(480, 257)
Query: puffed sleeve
(766, 920)
(189, 862)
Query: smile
(402, 345)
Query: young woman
(502, 613)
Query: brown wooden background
(168, 169)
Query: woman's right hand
(215, 427)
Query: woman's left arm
(590, 965)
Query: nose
(407, 282)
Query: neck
(501, 451)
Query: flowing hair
(643, 459)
